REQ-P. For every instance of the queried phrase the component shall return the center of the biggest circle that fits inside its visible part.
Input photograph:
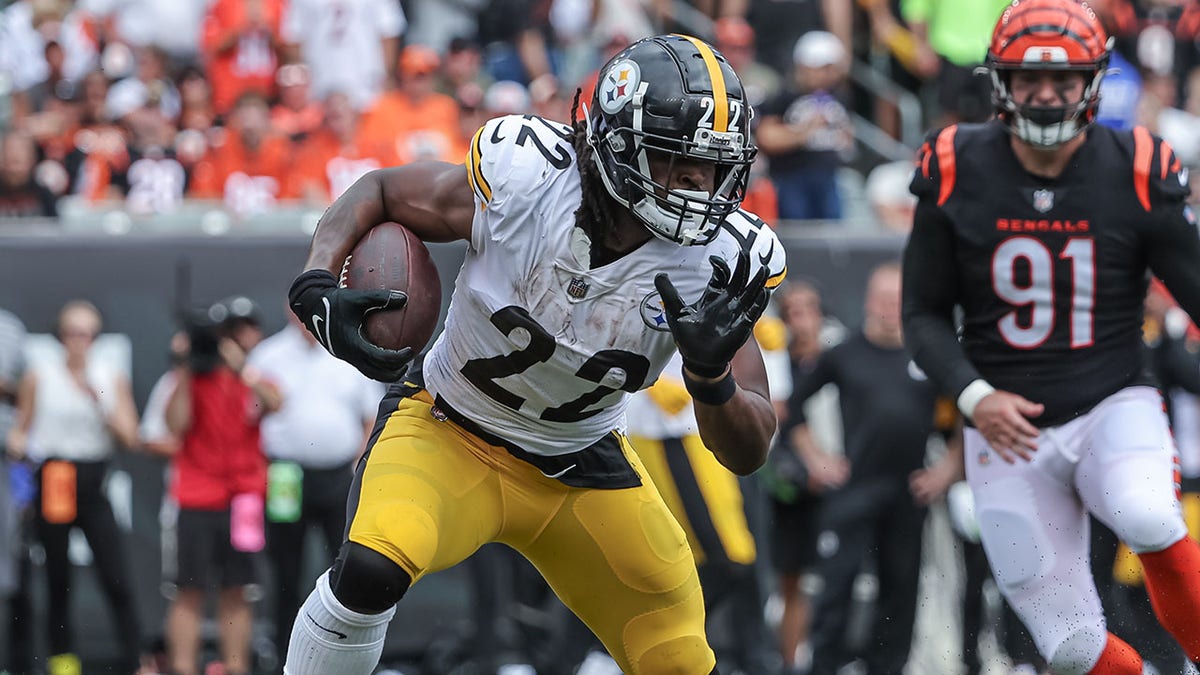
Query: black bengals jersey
(1050, 274)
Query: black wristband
(705, 370)
(311, 279)
(712, 393)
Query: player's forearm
(739, 431)
(934, 345)
(929, 296)
(350, 216)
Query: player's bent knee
(367, 581)
(1078, 652)
(1146, 530)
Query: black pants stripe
(94, 517)
(323, 507)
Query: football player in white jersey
(596, 250)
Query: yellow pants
(432, 494)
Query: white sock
(328, 638)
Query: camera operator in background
(219, 479)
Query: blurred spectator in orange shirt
(420, 122)
(241, 39)
(296, 114)
(761, 198)
(247, 170)
(334, 156)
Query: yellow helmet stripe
(475, 172)
(720, 95)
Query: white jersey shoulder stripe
(753, 235)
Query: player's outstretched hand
(1003, 419)
(709, 331)
(336, 315)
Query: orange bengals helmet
(1047, 35)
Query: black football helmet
(674, 95)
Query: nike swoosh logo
(496, 137)
(764, 259)
(340, 636)
(318, 322)
(560, 473)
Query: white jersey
(341, 41)
(538, 348)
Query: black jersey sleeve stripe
(1143, 154)
(946, 163)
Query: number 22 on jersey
(1037, 291)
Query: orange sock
(1173, 584)
(1118, 658)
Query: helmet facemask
(1047, 127)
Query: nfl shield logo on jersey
(653, 314)
(577, 288)
(1043, 200)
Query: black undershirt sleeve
(930, 292)
(1173, 253)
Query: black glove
(335, 316)
(711, 330)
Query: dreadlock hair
(593, 215)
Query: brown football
(390, 257)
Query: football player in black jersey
(1043, 229)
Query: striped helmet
(672, 96)
(1047, 35)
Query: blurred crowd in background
(251, 107)
(255, 104)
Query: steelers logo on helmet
(1048, 35)
(619, 85)
(665, 100)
